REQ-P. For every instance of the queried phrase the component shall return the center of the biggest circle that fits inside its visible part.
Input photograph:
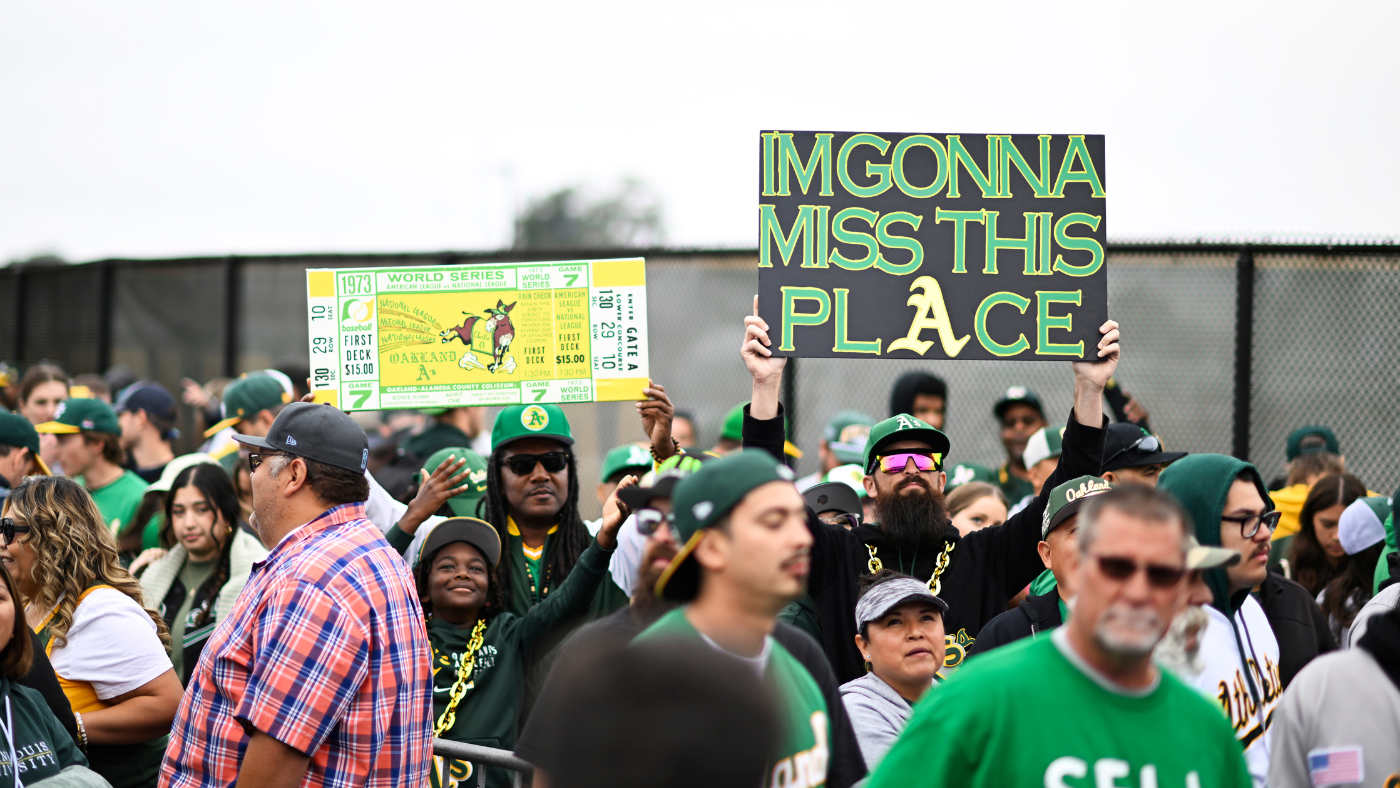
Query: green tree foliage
(569, 219)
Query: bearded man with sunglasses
(1129, 722)
(912, 533)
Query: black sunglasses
(8, 529)
(1158, 576)
(648, 520)
(1251, 523)
(521, 464)
(257, 458)
(1147, 444)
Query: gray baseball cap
(315, 431)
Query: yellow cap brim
(43, 468)
(57, 428)
(681, 557)
(792, 451)
(214, 430)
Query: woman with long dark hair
(207, 564)
(1316, 556)
(1362, 534)
(107, 648)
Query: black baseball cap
(1018, 395)
(148, 396)
(1126, 445)
(477, 533)
(833, 496)
(315, 431)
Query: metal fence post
(232, 287)
(104, 316)
(789, 395)
(21, 310)
(1244, 349)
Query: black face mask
(912, 521)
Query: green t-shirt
(1025, 715)
(1042, 584)
(192, 576)
(119, 499)
(804, 750)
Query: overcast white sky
(159, 128)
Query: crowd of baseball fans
(314, 599)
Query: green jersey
(119, 499)
(1032, 713)
(804, 747)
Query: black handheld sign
(987, 246)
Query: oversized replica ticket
(488, 334)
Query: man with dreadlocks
(911, 533)
(532, 491)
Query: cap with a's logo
(530, 421)
(82, 415)
(315, 431)
(626, 459)
(1018, 395)
(904, 428)
(1065, 500)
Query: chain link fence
(1317, 342)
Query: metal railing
(486, 756)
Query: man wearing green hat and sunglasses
(911, 531)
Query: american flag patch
(1337, 766)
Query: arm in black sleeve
(766, 434)
(847, 766)
(1011, 547)
(42, 680)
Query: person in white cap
(1361, 531)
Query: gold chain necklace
(934, 582)
(465, 665)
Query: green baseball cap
(248, 396)
(628, 458)
(82, 415)
(733, 430)
(1311, 440)
(701, 500)
(15, 430)
(903, 428)
(965, 472)
(1018, 395)
(530, 421)
(463, 504)
(477, 533)
(1043, 445)
(846, 435)
(1065, 499)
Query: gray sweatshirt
(877, 713)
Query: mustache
(539, 488)
(914, 481)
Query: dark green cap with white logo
(463, 504)
(903, 428)
(530, 421)
(1065, 500)
(701, 500)
(82, 415)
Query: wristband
(82, 731)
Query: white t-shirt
(627, 558)
(112, 645)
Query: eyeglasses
(924, 461)
(1147, 444)
(845, 520)
(649, 520)
(521, 464)
(8, 529)
(258, 458)
(1250, 523)
(1123, 569)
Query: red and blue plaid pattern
(326, 651)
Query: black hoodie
(1034, 616)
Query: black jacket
(985, 569)
(1035, 616)
(1298, 624)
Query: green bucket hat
(530, 421)
(15, 430)
(903, 428)
(248, 396)
(629, 458)
(463, 504)
(701, 500)
(1065, 500)
(1043, 444)
(82, 415)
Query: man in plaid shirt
(320, 675)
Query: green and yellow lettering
(916, 249)
(872, 169)
(1043, 264)
(1011, 155)
(980, 324)
(845, 236)
(995, 243)
(930, 300)
(958, 155)
(1074, 243)
(1068, 174)
(792, 318)
(897, 165)
(844, 345)
(771, 228)
(818, 161)
(823, 217)
(768, 163)
(1044, 321)
(959, 220)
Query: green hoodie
(1200, 483)
(42, 747)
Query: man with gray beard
(1180, 650)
